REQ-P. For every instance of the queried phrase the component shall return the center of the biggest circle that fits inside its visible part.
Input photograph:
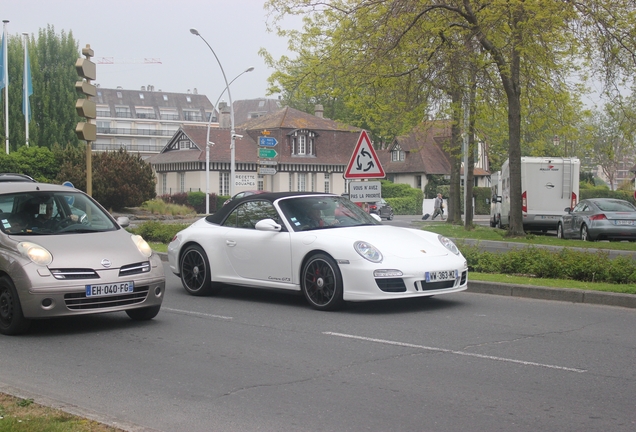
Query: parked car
(243, 194)
(599, 219)
(13, 177)
(322, 245)
(62, 254)
(382, 209)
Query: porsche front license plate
(443, 275)
(109, 289)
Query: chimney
(224, 115)
(319, 111)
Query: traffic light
(85, 107)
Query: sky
(130, 31)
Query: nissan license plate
(109, 289)
(439, 276)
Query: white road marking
(462, 353)
(204, 315)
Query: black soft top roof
(223, 212)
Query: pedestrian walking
(439, 207)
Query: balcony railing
(141, 148)
(128, 131)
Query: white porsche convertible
(321, 244)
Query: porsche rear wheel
(195, 272)
(321, 283)
(12, 321)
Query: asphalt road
(251, 360)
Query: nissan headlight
(142, 245)
(448, 244)
(368, 251)
(35, 253)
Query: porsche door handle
(230, 243)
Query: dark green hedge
(544, 263)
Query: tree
(528, 48)
(120, 179)
(53, 76)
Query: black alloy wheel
(195, 271)
(321, 283)
(12, 321)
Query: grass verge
(18, 415)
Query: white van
(549, 187)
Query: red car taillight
(598, 217)
(524, 202)
(573, 201)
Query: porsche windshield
(46, 213)
(318, 212)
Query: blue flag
(3, 78)
(27, 85)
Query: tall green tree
(528, 48)
(53, 116)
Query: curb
(555, 294)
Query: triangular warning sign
(364, 161)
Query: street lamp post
(232, 132)
(208, 143)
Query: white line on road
(462, 353)
(200, 314)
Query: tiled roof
(423, 148)
(334, 143)
(247, 109)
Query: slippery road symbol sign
(364, 161)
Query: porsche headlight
(368, 251)
(142, 245)
(448, 244)
(35, 253)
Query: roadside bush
(155, 231)
(544, 263)
(404, 199)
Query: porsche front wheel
(321, 283)
(195, 271)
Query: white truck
(549, 187)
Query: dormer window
(397, 154)
(302, 143)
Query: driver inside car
(45, 220)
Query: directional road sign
(266, 171)
(267, 162)
(267, 153)
(265, 141)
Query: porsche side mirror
(267, 225)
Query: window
(103, 111)
(119, 95)
(302, 182)
(397, 155)
(165, 97)
(192, 115)
(184, 144)
(169, 114)
(141, 95)
(248, 214)
(123, 112)
(327, 183)
(181, 182)
(224, 183)
(188, 98)
(145, 112)
(302, 143)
